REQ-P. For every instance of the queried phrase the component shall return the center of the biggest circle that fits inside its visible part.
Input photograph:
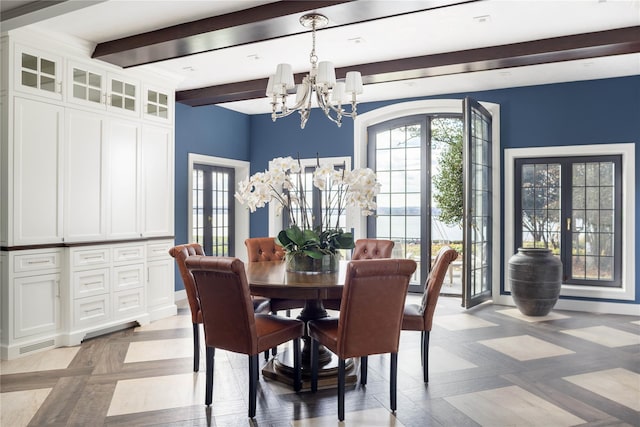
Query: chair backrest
(181, 253)
(444, 258)
(372, 306)
(225, 301)
(372, 249)
(263, 249)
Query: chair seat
(413, 319)
(273, 330)
(325, 331)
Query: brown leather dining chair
(266, 249)
(180, 253)
(231, 324)
(369, 323)
(419, 317)
(365, 249)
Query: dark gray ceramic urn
(535, 276)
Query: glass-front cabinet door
(38, 73)
(158, 104)
(87, 85)
(122, 95)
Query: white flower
(340, 188)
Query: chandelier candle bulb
(326, 74)
(354, 82)
(338, 95)
(284, 76)
(269, 91)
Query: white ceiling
(466, 26)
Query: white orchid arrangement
(283, 183)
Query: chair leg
(425, 356)
(363, 369)
(297, 370)
(209, 359)
(393, 389)
(196, 347)
(274, 350)
(315, 349)
(253, 384)
(341, 381)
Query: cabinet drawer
(90, 257)
(129, 302)
(91, 310)
(36, 261)
(128, 276)
(159, 250)
(128, 253)
(90, 282)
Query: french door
(477, 204)
(212, 209)
(435, 175)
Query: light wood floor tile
(458, 322)
(512, 406)
(514, 312)
(605, 335)
(18, 407)
(619, 385)
(525, 347)
(57, 358)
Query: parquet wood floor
(489, 366)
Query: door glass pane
(447, 196)
(398, 164)
(212, 209)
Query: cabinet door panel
(160, 283)
(157, 181)
(37, 216)
(36, 304)
(123, 179)
(84, 208)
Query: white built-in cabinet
(88, 161)
(85, 198)
(35, 205)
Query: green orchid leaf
(314, 254)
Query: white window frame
(627, 151)
(241, 212)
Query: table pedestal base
(280, 368)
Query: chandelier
(330, 94)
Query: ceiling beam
(557, 49)
(265, 22)
(36, 11)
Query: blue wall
(576, 113)
(212, 131)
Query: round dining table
(271, 279)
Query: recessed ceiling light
(188, 68)
(356, 40)
(253, 56)
(484, 19)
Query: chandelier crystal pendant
(330, 94)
